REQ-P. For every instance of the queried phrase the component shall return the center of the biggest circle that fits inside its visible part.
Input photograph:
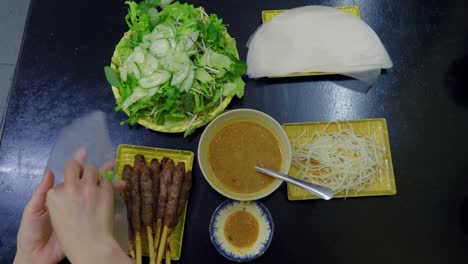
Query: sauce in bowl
(241, 229)
(236, 149)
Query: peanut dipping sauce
(241, 229)
(236, 149)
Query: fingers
(38, 200)
(72, 173)
(106, 185)
(81, 155)
(73, 170)
(120, 185)
(108, 166)
(90, 175)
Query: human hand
(81, 210)
(36, 242)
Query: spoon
(321, 191)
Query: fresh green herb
(111, 76)
(107, 174)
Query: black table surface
(423, 98)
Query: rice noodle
(340, 160)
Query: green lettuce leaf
(111, 76)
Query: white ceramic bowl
(251, 116)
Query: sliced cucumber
(155, 79)
(160, 47)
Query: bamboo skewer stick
(168, 253)
(168, 248)
(138, 247)
(162, 244)
(131, 241)
(149, 233)
(132, 252)
(164, 247)
(157, 235)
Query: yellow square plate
(126, 155)
(384, 183)
(267, 15)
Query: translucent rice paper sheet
(362, 81)
(91, 133)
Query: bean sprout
(340, 160)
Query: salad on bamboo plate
(175, 69)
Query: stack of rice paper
(316, 39)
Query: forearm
(109, 252)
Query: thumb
(38, 200)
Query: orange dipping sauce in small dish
(241, 229)
(236, 149)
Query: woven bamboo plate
(384, 183)
(126, 155)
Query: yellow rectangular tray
(126, 154)
(384, 183)
(267, 15)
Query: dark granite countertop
(423, 98)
